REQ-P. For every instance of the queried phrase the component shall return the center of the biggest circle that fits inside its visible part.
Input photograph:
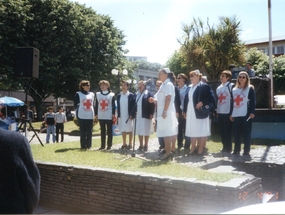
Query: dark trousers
(86, 126)
(242, 128)
(187, 142)
(106, 125)
(225, 125)
(59, 127)
(161, 142)
(181, 131)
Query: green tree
(212, 49)
(74, 42)
(260, 63)
(177, 63)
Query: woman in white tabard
(126, 114)
(167, 124)
(243, 112)
(84, 106)
(105, 113)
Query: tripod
(24, 122)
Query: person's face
(162, 76)
(124, 87)
(180, 80)
(141, 86)
(103, 87)
(223, 78)
(242, 78)
(86, 86)
(194, 79)
(247, 66)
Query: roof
(264, 40)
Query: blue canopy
(10, 101)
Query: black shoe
(145, 148)
(162, 152)
(129, 147)
(246, 154)
(166, 158)
(123, 147)
(109, 147)
(140, 148)
(236, 153)
(101, 148)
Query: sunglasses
(85, 85)
(242, 77)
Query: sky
(152, 27)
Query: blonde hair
(104, 82)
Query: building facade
(278, 45)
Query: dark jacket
(131, 105)
(177, 101)
(147, 108)
(206, 97)
(19, 175)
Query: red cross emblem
(221, 98)
(237, 100)
(87, 104)
(104, 104)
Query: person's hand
(199, 105)
(231, 118)
(184, 115)
(131, 118)
(251, 115)
(151, 116)
(151, 100)
(164, 114)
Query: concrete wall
(271, 174)
(94, 190)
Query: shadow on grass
(66, 150)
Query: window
(279, 50)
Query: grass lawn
(70, 153)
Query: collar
(125, 94)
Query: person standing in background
(182, 82)
(224, 109)
(17, 115)
(84, 105)
(126, 113)
(249, 70)
(50, 122)
(60, 119)
(105, 113)
(19, 175)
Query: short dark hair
(248, 63)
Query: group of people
(181, 112)
(54, 124)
